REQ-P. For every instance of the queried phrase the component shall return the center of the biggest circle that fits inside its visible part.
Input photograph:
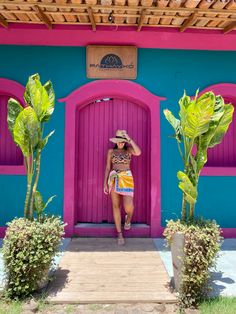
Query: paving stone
(109, 307)
(148, 307)
(192, 311)
(160, 307)
(136, 310)
(121, 311)
(31, 306)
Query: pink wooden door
(95, 124)
(10, 154)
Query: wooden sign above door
(113, 62)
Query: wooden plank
(20, 16)
(191, 4)
(173, 4)
(141, 19)
(132, 20)
(229, 28)
(43, 17)
(229, 6)
(119, 19)
(193, 17)
(121, 297)
(120, 286)
(203, 7)
(101, 278)
(97, 271)
(68, 17)
(219, 4)
(161, 5)
(3, 22)
(91, 17)
(146, 3)
(108, 11)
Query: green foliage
(202, 244)
(11, 307)
(28, 251)
(14, 109)
(220, 305)
(203, 123)
(26, 131)
(39, 205)
(26, 126)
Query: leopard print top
(120, 158)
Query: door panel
(96, 123)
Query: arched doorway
(84, 115)
(96, 122)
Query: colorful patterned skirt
(122, 182)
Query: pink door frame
(97, 90)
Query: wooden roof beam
(192, 18)
(3, 22)
(141, 19)
(92, 19)
(230, 27)
(43, 17)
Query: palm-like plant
(26, 125)
(202, 124)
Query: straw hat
(119, 137)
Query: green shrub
(28, 251)
(202, 243)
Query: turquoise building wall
(163, 72)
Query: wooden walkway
(96, 270)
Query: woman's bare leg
(128, 207)
(116, 198)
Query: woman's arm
(135, 149)
(107, 170)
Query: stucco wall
(165, 73)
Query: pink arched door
(95, 124)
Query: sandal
(120, 239)
(127, 226)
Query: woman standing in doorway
(119, 180)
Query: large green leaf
(28, 88)
(49, 200)
(214, 135)
(218, 108)
(184, 103)
(175, 123)
(172, 120)
(44, 141)
(41, 98)
(222, 126)
(198, 116)
(186, 186)
(38, 203)
(49, 110)
(14, 109)
(26, 131)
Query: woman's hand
(106, 190)
(126, 136)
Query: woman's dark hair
(125, 147)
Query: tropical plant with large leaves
(202, 124)
(26, 125)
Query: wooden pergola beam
(43, 17)
(229, 28)
(141, 19)
(192, 18)
(91, 17)
(3, 22)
